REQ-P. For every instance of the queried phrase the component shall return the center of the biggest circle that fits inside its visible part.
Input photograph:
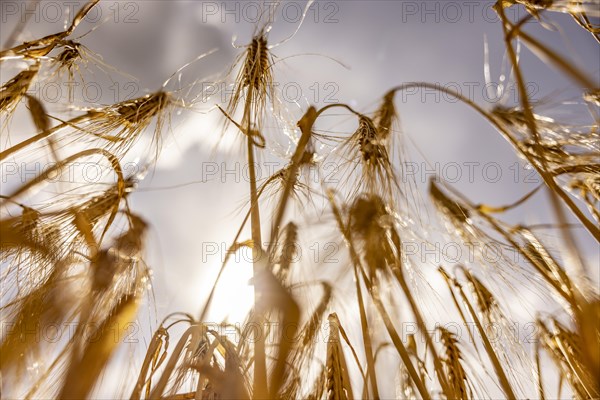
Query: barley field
(300, 199)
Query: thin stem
(305, 125)
(524, 98)
(570, 244)
(539, 371)
(260, 385)
(44, 135)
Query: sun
(234, 295)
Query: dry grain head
(452, 360)
(589, 190)
(257, 62)
(276, 184)
(254, 82)
(377, 174)
(25, 236)
(564, 347)
(13, 91)
(373, 226)
(72, 58)
(385, 116)
(452, 209)
(46, 301)
(84, 371)
(39, 48)
(537, 254)
(485, 299)
(38, 113)
(122, 124)
(120, 264)
(369, 141)
(589, 330)
(338, 382)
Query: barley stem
(260, 386)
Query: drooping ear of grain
(457, 377)
(155, 355)
(83, 372)
(457, 213)
(565, 349)
(385, 116)
(15, 89)
(589, 331)
(338, 380)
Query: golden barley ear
(38, 113)
(589, 330)
(256, 79)
(338, 378)
(369, 221)
(155, 356)
(81, 15)
(13, 91)
(452, 361)
(368, 148)
(455, 211)
(386, 115)
(14, 237)
(39, 48)
(565, 348)
(117, 128)
(39, 309)
(85, 371)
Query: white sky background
(384, 43)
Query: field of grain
(349, 200)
